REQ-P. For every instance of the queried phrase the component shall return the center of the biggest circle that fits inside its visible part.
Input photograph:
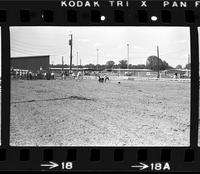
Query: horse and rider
(79, 75)
(103, 78)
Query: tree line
(153, 62)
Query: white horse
(79, 74)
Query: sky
(173, 42)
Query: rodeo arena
(78, 106)
(23, 68)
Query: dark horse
(106, 78)
(103, 79)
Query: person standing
(45, 75)
(52, 75)
(30, 75)
(27, 77)
(63, 75)
(20, 74)
(73, 75)
(78, 75)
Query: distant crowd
(20, 74)
(44, 74)
(30, 75)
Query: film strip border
(46, 13)
(103, 159)
(53, 13)
(95, 16)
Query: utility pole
(127, 56)
(97, 58)
(80, 62)
(77, 59)
(158, 61)
(62, 63)
(70, 43)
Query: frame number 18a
(159, 166)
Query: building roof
(30, 57)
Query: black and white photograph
(100, 86)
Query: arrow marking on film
(51, 165)
(142, 166)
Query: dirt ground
(0, 116)
(88, 113)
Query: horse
(79, 76)
(106, 78)
(101, 79)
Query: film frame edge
(189, 156)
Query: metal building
(33, 63)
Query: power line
(28, 43)
(33, 54)
(38, 52)
(32, 48)
(27, 51)
(21, 52)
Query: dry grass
(86, 113)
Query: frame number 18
(67, 165)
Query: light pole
(97, 58)
(80, 63)
(158, 61)
(62, 63)
(77, 59)
(127, 56)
